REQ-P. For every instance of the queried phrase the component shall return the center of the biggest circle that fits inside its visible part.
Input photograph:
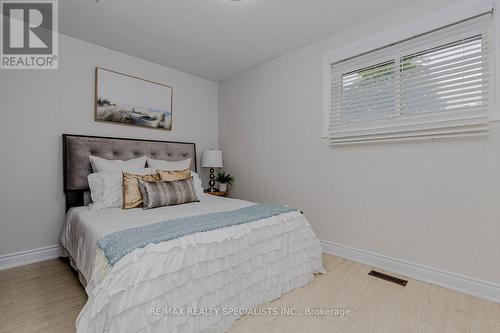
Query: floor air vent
(389, 278)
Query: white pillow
(198, 187)
(96, 185)
(106, 187)
(103, 165)
(169, 165)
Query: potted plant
(224, 180)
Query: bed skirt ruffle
(241, 267)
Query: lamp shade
(211, 159)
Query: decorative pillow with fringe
(132, 196)
(167, 175)
(167, 193)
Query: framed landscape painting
(129, 100)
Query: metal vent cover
(387, 277)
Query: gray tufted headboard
(78, 148)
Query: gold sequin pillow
(132, 196)
(171, 176)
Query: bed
(200, 282)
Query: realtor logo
(29, 38)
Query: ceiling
(213, 39)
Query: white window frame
(436, 20)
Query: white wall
(432, 203)
(37, 106)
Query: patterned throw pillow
(167, 193)
(132, 196)
(174, 175)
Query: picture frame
(130, 100)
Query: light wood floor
(46, 297)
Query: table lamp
(211, 159)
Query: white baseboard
(464, 284)
(29, 257)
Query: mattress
(236, 267)
(84, 227)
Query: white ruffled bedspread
(241, 266)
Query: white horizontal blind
(430, 86)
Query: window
(435, 85)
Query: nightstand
(217, 193)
